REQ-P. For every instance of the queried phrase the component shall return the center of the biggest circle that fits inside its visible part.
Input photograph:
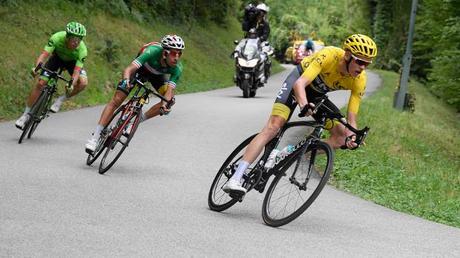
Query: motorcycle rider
(255, 18)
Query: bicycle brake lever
(360, 136)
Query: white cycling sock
(61, 98)
(242, 166)
(26, 110)
(143, 118)
(98, 131)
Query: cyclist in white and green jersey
(65, 50)
(154, 63)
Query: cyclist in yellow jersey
(327, 70)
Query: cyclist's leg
(337, 130)
(120, 95)
(80, 85)
(82, 79)
(159, 83)
(39, 83)
(281, 112)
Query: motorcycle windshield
(251, 50)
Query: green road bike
(41, 108)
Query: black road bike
(117, 134)
(41, 108)
(299, 176)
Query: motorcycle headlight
(247, 63)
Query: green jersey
(150, 58)
(57, 44)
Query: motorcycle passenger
(154, 62)
(256, 17)
(329, 69)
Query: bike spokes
(119, 138)
(293, 191)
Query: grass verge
(411, 162)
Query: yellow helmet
(361, 45)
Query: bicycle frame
(132, 108)
(302, 145)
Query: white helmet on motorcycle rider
(263, 7)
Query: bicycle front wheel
(100, 147)
(40, 113)
(118, 141)
(35, 116)
(298, 184)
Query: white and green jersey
(151, 57)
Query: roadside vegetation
(411, 161)
(113, 40)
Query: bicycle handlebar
(360, 134)
(169, 103)
(52, 73)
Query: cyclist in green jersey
(154, 62)
(65, 50)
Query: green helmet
(75, 28)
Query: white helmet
(263, 7)
(172, 41)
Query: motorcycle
(252, 65)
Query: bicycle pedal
(237, 195)
(260, 187)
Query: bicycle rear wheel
(299, 183)
(102, 139)
(218, 200)
(34, 116)
(118, 141)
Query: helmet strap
(347, 63)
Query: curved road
(153, 202)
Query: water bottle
(284, 152)
(271, 159)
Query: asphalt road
(153, 202)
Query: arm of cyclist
(169, 95)
(131, 69)
(300, 94)
(351, 136)
(40, 60)
(352, 114)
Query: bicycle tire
(40, 114)
(322, 167)
(113, 142)
(101, 144)
(32, 115)
(225, 172)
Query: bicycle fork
(311, 161)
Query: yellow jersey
(322, 69)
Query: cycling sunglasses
(174, 52)
(360, 61)
(74, 37)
